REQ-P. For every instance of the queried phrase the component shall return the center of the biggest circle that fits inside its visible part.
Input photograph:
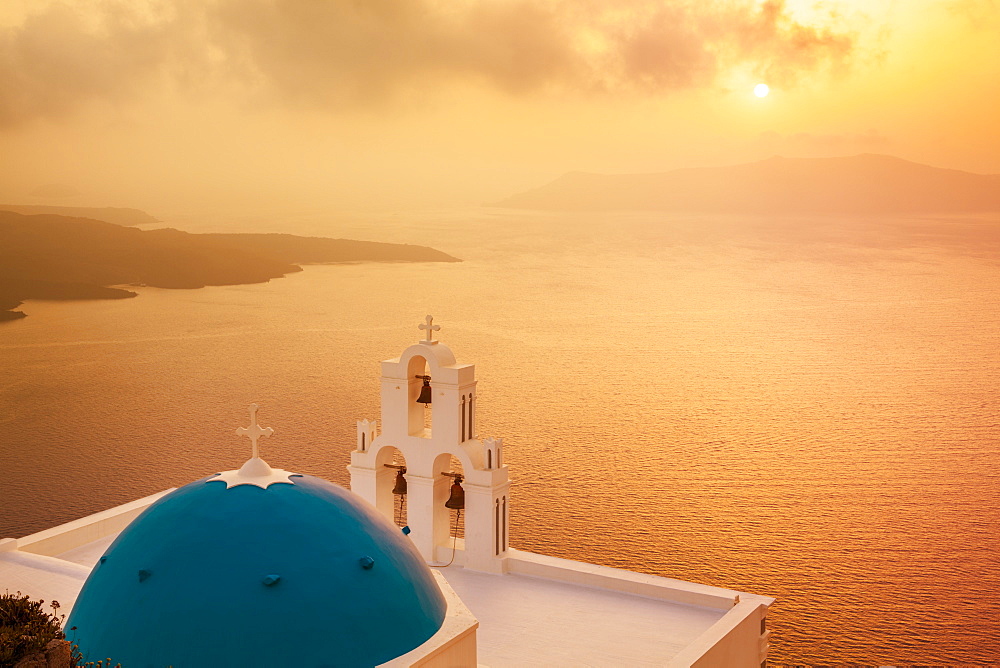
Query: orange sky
(240, 105)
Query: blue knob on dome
(367, 563)
(271, 579)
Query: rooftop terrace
(545, 612)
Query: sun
(761, 90)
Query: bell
(425, 393)
(399, 488)
(457, 499)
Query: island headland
(59, 257)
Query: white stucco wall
(453, 646)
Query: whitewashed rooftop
(523, 620)
(552, 613)
(528, 621)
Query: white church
(260, 566)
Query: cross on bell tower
(429, 326)
(427, 454)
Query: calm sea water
(800, 408)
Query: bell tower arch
(428, 450)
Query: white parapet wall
(616, 579)
(731, 641)
(71, 535)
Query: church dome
(293, 570)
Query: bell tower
(421, 431)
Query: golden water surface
(805, 409)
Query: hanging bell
(457, 499)
(399, 489)
(425, 393)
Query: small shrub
(25, 627)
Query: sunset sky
(226, 105)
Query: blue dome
(303, 574)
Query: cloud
(351, 53)
(59, 58)
(684, 45)
(371, 50)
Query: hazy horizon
(272, 106)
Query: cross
(431, 328)
(254, 431)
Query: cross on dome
(254, 431)
(430, 327)
(255, 471)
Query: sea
(802, 407)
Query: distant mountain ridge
(109, 214)
(60, 257)
(861, 184)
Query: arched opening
(463, 418)
(390, 463)
(489, 458)
(420, 416)
(496, 525)
(456, 530)
(449, 524)
(503, 517)
(472, 416)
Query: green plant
(25, 627)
